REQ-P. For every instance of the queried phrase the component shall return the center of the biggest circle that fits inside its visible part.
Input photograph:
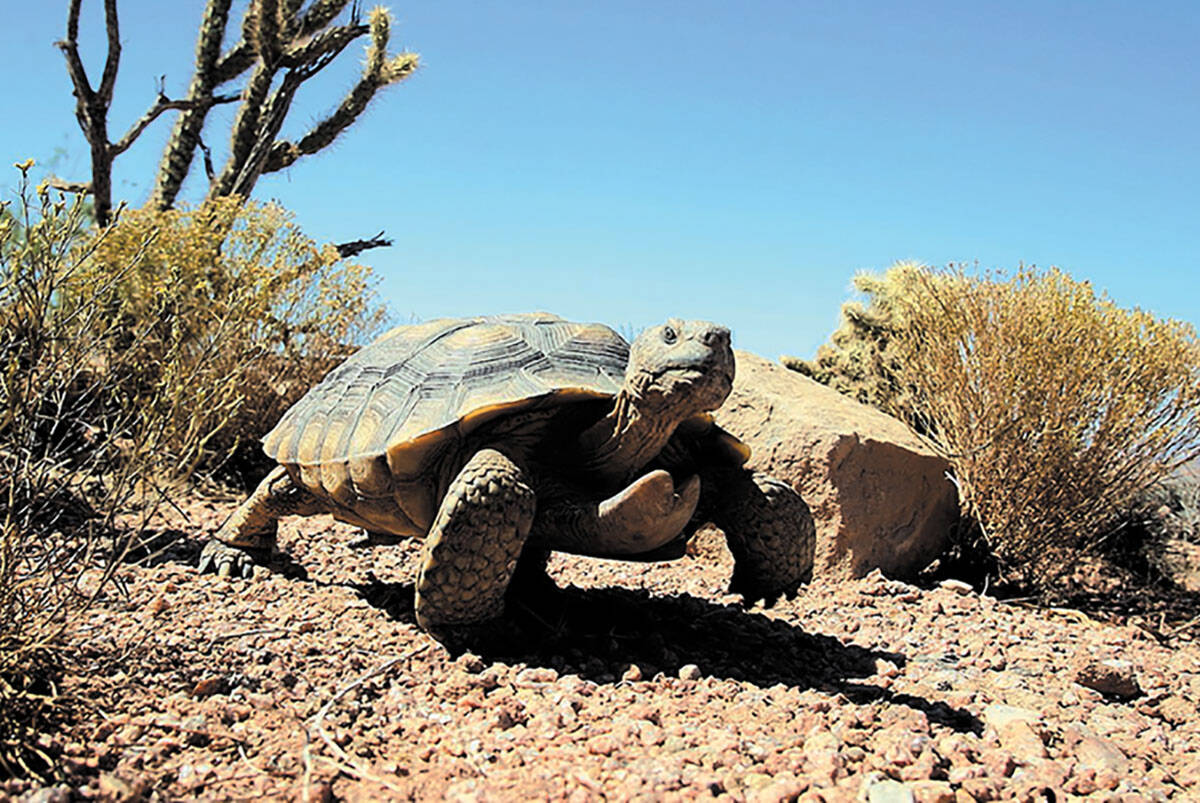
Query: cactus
(282, 45)
(860, 359)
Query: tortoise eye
(669, 335)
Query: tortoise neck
(619, 445)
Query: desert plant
(282, 46)
(130, 356)
(1054, 406)
(72, 458)
(860, 360)
(231, 313)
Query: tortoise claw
(226, 560)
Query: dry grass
(69, 459)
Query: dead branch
(355, 247)
(161, 104)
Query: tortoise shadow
(599, 633)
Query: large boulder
(879, 497)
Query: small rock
(1175, 710)
(1100, 754)
(485, 680)
(470, 663)
(932, 792)
(1112, 677)
(885, 668)
(998, 763)
(689, 672)
(209, 686)
(602, 745)
(889, 791)
(537, 674)
(1019, 738)
(633, 673)
(118, 789)
(782, 788)
(958, 587)
(755, 780)
(998, 715)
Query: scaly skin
(769, 530)
(472, 549)
(248, 536)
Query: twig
(1185, 626)
(256, 632)
(345, 762)
(194, 732)
(354, 247)
(68, 186)
(161, 104)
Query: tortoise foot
(771, 534)
(230, 561)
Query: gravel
(627, 681)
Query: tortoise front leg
(472, 548)
(769, 530)
(648, 514)
(248, 536)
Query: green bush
(1054, 406)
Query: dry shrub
(233, 314)
(131, 357)
(71, 458)
(1055, 407)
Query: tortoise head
(681, 367)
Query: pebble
(857, 691)
(1112, 677)
(209, 686)
(957, 586)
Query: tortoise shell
(372, 426)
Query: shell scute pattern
(389, 409)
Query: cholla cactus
(859, 360)
(283, 43)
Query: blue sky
(739, 161)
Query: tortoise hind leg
(769, 530)
(472, 549)
(248, 536)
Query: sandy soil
(627, 681)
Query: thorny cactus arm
(255, 149)
(276, 37)
(181, 147)
(380, 71)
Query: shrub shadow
(599, 633)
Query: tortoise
(499, 439)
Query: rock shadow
(599, 633)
